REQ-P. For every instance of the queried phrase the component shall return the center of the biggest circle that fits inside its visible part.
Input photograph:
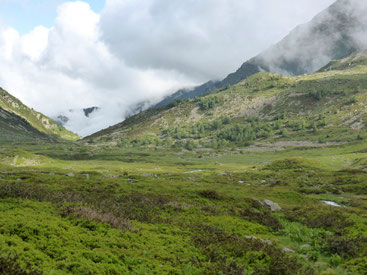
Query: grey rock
(286, 249)
(273, 206)
(149, 175)
(71, 174)
(261, 240)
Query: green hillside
(16, 129)
(37, 120)
(265, 110)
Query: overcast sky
(57, 55)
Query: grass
(167, 212)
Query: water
(332, 203)
(193, 171)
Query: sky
(59, 55)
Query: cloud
(335, 33)
(68, 66)
(204, 39)
(137, 51)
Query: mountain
(327, 106)
(65, 117)
(190, 93)
(88, 111)
(18, 116)
(333, 34)
(356, 59)
(16, 129)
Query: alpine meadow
(262, 172)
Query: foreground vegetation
(84, 210)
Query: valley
(263, 172)
(265, 177)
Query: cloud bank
(137, 51)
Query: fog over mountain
(139, 51)
(334, 33)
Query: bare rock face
(273, 206)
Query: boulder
(273, 206)
(288, 250)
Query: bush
(207, 103)
(346, 246)
(11, 266)
(210, 194)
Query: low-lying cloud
(137, 51)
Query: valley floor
(85, 210)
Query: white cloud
(35, 43)
(137, 50)
(203, 39)
(69, 67)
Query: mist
(141, 51)
(333, 34)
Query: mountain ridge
(37, 120)
(264, 107)
(332, 33)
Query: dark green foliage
(207, 103)
(346, 246)
(327, 217)
(215, 242)
(10, 266)
(262, 217)
(210, 194)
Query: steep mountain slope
(322, 108)
(16, 129)
(333, 34)
(191, 93)
(40, 122)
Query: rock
(149, 175)
(286, 249)
(305, 246)
(111, 176)
(261, 240)
(273, 206)
(51, 174)
(71, 174)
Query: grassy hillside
(16, 129)
(264, 111)
(35, 119)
